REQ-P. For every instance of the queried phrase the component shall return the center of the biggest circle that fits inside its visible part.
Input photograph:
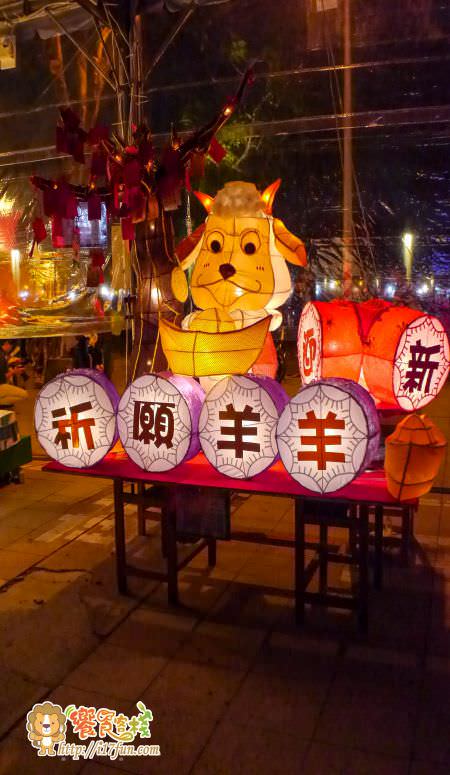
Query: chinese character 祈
(69, 427)
(321, 455)
(84, 722)
(238, 430)
(421, 367)
(153, 421)
(309, 351)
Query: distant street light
(408, 240)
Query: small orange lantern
(414, 453)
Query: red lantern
(406, 358)
(266, 365)
(400, 354)
(329, 341)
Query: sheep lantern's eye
(250, 242)
(215, 242)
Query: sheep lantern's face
(234, 269)
(240, 259)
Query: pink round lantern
(157, 420)
(237, 425)
(328, 433)
(75, 417)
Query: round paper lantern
(414, 453)
(328, 433)
(399, 354)
(406, 360)
(329, 341)
(75, 417)
(158, 420)
(238, 422)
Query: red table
(367, 490)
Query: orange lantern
(266, 364)
(414, 453)
(406, 357)
(400, 355)
(329, 341)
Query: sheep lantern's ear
(179, 284)
(206, 200)
(189, 247)
(268, 195)
(290, 246)
(186, 252)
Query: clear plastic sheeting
(291, 125)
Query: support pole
(347, 179)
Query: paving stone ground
(234, 685)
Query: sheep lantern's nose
(227, 270)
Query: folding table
(368, 491)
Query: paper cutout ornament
(238, 424)
(401, 355)
(414, 454)
(328, 434)
(75, 417)
(239, 277)
(157, 420)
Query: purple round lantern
(75, 417)
(328, 434)
(157, 420)
(237, 425)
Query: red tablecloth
(370, 487)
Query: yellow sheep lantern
(239, 279)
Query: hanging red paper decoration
(400, 354)
(39, 234)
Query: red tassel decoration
(127, 229)
(57, 232)
(39, 234)
(39, 230)
(216, 151)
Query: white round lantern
(328, 433)
(75, 417)
(158, 420)
(237, 426)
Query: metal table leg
(363, 555)
(169, 517)
(323, 558)
(141, 510)
(406, 536)
(119, 530)
(299, 561)
(378, 548)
